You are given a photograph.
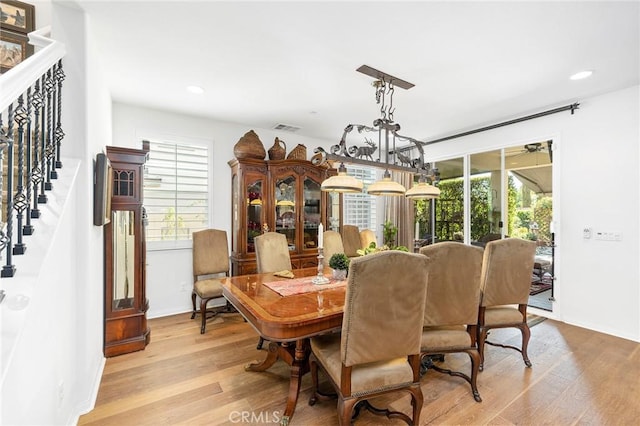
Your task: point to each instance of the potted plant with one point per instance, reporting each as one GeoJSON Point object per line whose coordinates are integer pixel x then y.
{"type": "Point", "coordinates": [339, 262]}
{"type": "Point", "coordinates": [389, 233]}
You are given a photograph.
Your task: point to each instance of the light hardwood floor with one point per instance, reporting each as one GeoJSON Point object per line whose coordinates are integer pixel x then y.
{"type": "Point", "coordinates": [185, 378]}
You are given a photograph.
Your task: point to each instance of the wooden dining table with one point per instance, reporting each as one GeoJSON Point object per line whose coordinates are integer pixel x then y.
{"type": "Point", "coordinates": [287, 321]}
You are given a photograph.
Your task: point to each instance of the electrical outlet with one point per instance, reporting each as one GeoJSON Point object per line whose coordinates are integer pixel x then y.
{"type": "Point", "coordinates": [184, 287]}
{"type": "Point", "coordinates": [586, 233]}
{"type": "Point", "coordinates": [608, 236]}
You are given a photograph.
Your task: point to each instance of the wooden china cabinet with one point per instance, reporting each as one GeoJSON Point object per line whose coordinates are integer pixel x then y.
{"type": "Point", "coordinates": [126, 304]}
{"type": "Point", "coordinates": [282, 196]}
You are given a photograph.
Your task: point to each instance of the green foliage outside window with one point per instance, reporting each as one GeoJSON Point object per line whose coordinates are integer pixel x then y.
{"type": "Point", "coordinates": [450, 208]}
{"type": "Point", "coordinates": [175, 224]}
{"type": "Point", "coordinates": [543, 212]}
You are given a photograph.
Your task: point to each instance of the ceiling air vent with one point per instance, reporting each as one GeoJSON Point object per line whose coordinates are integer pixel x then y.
{"type": "Point", "coordinates": [286, 128]}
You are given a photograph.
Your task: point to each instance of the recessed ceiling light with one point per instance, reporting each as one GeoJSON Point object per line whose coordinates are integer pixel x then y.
{"type": "Point", "coordinates": [196, 90]}
{"type": "Point", "coordinates": [580, 75]}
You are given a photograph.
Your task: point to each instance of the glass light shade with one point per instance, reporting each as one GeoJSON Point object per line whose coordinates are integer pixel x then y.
{"type": "Point", "coordinates": [342, 182]}
{"type": "Point", "coordinates": [386, 187]}
{"type": "Point", "coordinates": [422, 191]}
{"type": "Point", "coordinates": [284, 203]}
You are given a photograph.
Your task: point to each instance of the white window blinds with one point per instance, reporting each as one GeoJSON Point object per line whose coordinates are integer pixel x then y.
{"type": "Point", "coordinates": [176, 190]}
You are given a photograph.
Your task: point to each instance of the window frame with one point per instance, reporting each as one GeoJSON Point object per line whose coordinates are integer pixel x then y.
{"type": "Point", "coordinates": [180, 244]}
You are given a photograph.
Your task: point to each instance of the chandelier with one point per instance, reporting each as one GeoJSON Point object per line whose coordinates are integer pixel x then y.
{"type": "Point", "coordinates": [389, 155]}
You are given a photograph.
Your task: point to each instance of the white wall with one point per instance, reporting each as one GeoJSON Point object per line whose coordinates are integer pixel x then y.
{"type": "Point", "coordinates": [91, 113]}
{"type": "Point", "coordinates": [596, 185]}
{"type": "Point", "coordinates": [54, 371]}
{"type": "Point", "coordinates": [167, 270]}
{"type": "Point", "coordinates": [43, 362]}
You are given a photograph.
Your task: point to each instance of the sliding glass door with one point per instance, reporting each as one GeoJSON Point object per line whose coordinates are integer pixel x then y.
{"type": "Point", "coordinates": [494, 194]}
{"type": "Point", "coordinates": [485, 196]}
{"type": "Point", "coordinates": [530, 215]}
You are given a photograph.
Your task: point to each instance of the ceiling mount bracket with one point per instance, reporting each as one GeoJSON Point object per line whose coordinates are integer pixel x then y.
{"type": "Point", "coordinates": [379, 75]}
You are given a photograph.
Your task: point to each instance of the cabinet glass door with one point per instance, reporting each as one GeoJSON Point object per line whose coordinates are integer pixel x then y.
{"type": "Point", "coordinates": [254, 213]}
{"type": "Point", "coordinates": [124, 246]}
{"type": "Point", "coordinates": [285, 205]}
{"type": "Point", "coordinates": [312, 215]}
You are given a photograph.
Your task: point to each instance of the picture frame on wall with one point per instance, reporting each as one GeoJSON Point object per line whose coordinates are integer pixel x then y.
{"type": "Point", "coordinates": [14, 48]}
{"type": "Point", "coordinates": [17, 16]}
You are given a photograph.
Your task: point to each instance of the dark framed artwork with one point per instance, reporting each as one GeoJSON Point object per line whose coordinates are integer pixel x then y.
{"type": "Point", "coordinates": [17, 16]}
{"type": "Point", "coordinates": [14, 48]}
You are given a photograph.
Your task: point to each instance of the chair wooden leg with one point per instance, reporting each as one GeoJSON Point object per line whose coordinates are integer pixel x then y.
{"type": "Point", "coordinates": [193, 301]}
{"type": "Point", "coordinates": [203, 314]}
{"type": "Point", "coordinates": [526, 335]}
{"type": "Point", "coordinates": [416, 401]}
{"type": "Point", "coordinates": [475, 366]}
{"type": "Point", "coordinates": [482, 336]}
{"type": "Point", "coordinates": [345, 410]}
{"type": "Point", "coordinates": [313, 369]}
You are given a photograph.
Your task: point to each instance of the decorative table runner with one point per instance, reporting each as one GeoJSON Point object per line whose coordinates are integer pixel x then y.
{"type": "Point", "coordinates": [302, 285]}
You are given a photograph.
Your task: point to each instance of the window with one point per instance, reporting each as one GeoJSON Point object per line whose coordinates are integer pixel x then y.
{"type": "Point", "coordinates": [360, 209]}
{"type": "Point", "coordinates": [176, 190]}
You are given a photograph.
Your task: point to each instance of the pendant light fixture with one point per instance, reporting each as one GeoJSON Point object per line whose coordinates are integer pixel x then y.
{"type": "Point", "coordinates": [387, 131]}
{"type": "Point", "coordinates": [423, 190]}
{"type": "Point", "coordinates": [342, 182]}
{"type": "Point", "coordinates": [386, 186]}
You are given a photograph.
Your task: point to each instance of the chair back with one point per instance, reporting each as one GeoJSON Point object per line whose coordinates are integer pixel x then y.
{"type": "Point", "coordinates": [272, 252]}
{"type": "Point", "coordinates": [332, 245]}
{"type": "Point", "coordinates": [384, 307]}
{"type": "Point", "coordinates": [506, 272]}
{"type": "Point", "coordinates": [367, 236]}
{"type": "Point", "coordinates": [210, 252]}
{"type": "Point", "coordinates": [453, 294]}
{"type": "Point", "coordinates": [351, 240]}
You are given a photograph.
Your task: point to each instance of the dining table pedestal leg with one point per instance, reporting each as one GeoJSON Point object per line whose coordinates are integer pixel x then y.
{"type": "Point", "coordinates": [297, 356]}
{"type": "Point", "coordinates": [273, 353]}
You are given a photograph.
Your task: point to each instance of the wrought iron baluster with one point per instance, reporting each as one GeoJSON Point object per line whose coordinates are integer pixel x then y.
{"type": "Point", "coordinates": [59, 133]}
{"type": "Point", "coordinates": [36, 173]}
{"type": "Point", "coordinates": [9, 270]}
{"type": "Point", "coordinates": [4, 142]}
{"type": "Point", "coordinates": [19, 199]}
{"type": "Point", "coordinates": [28, 227]}
{"type": "Point", "coordinates": [49, 146]}
{"type": "Point", "coordinates": [53, 174]}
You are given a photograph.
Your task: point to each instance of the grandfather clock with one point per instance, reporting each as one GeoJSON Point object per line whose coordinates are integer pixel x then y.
{"type": "Point", "coordinates": [126, 304]}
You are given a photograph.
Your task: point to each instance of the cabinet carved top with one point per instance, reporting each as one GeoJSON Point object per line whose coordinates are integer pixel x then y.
{"type": "Point", "coordinates": [298, 167]}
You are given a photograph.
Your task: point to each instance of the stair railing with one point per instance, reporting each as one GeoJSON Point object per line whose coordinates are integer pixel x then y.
{"type": "Point", "coordinates": [30, 140]}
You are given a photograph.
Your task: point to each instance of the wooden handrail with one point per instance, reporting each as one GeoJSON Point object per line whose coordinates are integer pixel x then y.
{"type": "Point", "coordinates": [16, 81]}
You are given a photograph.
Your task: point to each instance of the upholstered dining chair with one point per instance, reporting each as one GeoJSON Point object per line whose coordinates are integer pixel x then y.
{"type": "Point", "coordinates": [272, 252]}
{"type": "Point", "coordinates": [351, 240]}
{"type": "Point", "coordinates": [210, 257]}
{"type": "Point", "coordinates": [451, 310]}
{"type": "Point", "coordinates": [378, 349]}
{"type": "Point", "coordinates": [505, 282]}
{"type": "Point", "coordinates": [272, 255]}
{"type": "Point", "coordinates": [332, 245]}
{"type": "Point", "coordinates": [367, 236]}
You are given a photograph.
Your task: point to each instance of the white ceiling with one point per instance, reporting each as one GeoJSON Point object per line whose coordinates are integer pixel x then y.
{"type": "Point", "coordinates": [264, 63]}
